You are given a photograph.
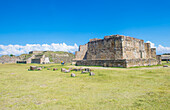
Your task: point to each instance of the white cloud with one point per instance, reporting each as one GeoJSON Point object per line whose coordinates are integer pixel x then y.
{"type": "Point", "coordinates": [160, 49]}
{"type": "Point", "coordinates": [152, 44]}
{"type": "Point", "coordinates": [19, 49]}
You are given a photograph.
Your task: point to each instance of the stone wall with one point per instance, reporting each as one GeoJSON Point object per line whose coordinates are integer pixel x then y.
{"type": "Point", "coordinates": [132, 48]}
{"type": "Point", "coordinates": [148, 50]}
{"type": "Point", "coordinates": [153, 53]}
{"type": "Point", "coordinates": [105, 63]}
{"type": "Point", "coordinates": [81, 54]}
{"type": "Point", "coordinates": [141, 62]}
{"type": "Point", "coordinates": [29, 59]}
{"type": "Point", "coordinates": [95, 39]}
{"type": "Point", "coordinates": [109, 48]}
{"type": "Point", "coordinates": [23, 62]}
{"type": "Point", "coordinates": [8, 59]}
{"type": "Point", "coordinates": [35, 52]}
{"type": "Point", "coordinates": [165, 57]}
{"type": "Point", "coordinates": [118, 63]}
{"type": "Point", "coordinates": [115, 47]}
{"type": "Point", "coordinates": [118, 50]}
{"type": "Point", "coordinates": [55, 57]}
{"type": "Point", "coordinates": [36, 61]}
{"type": "Point", "coordinates": [159, 59]}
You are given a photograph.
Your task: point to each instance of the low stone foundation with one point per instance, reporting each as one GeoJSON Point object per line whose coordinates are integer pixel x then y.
{"type": "Point", "coordinates": [141, 62]}
{"type": "Point", "coordinates": [105, 63]}
{"type": "Point", "coordinates": [118, 63]}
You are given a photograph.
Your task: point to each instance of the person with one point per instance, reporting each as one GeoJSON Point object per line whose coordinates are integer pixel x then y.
{"type": "Point", "coordinates": [62, 62]}
{"type": "Point", "coordinates": [167, 61]}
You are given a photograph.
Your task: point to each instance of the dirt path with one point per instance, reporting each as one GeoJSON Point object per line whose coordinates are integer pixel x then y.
{"type": "Point", "coordinates": [107, 68]}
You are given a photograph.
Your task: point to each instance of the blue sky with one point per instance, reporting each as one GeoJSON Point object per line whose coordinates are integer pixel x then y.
{"type": "Point", "coordinates": [76, 21]}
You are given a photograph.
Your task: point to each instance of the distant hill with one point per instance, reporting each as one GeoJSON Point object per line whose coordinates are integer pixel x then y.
{"type": "Point", "coordinates": [54, 56]}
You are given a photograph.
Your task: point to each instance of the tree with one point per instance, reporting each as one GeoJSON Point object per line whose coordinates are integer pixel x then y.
{"type": "Point", "coordinates": [166, 54]}
{"type": "Point", "coordinates": [11, 55]}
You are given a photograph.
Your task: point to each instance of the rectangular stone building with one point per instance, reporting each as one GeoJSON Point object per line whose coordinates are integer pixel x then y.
{"type": "Point", "coordinates": [165, 57]}
{"type": "Point", "coordinates": [116, 51]}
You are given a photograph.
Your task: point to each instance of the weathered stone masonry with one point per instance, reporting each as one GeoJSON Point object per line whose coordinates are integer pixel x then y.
{"type": "Point", "coordinates": [116, 51]}
{"type": "Point", "coordinates": [81, 54]}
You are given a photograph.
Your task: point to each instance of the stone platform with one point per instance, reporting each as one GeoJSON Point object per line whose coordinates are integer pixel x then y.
{"type": "Point", "coordinates": [117, 51]}
{"type": "Point", "coordinates": [118, 63]}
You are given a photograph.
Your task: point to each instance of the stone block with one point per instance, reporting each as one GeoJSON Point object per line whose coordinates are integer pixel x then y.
{"type": "Point", "coordinates": [63, 69]}
{"type": "Point", "coordinates": [33, 67]}
{"type": "Point", "coordinates": [54, 69]}
{"type": "Point", "coordinates": [165, 65]}
{"type": "Point", "coordinates": [67, 71]}
{"type": "Point", "coordinates": [83, 72]}
{"type": "Point", "coordinates": [91, 74]}
{"type": "Point", "coordinates": [73, 75]}
{"type": "Point", "coordinates": [39, 68]}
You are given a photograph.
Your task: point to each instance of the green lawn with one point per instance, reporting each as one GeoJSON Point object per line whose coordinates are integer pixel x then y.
{"type": "Point", "coordinates": [124, 89]}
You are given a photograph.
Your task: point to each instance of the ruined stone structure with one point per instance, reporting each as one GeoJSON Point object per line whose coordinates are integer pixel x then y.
{"type": "Point", "coordinates": [42, 57]}
{"type": "Point", "coordinates": [38, 59]}
{"type": "Point", "coordinates": [81, 54]}
{"type": "Point", "coordinates": [116, 51]}
{"type": "Point", "coordinates": [35, 52]}
{"type": "Point", "coordinates": [165, 57]}
{"type": "Point", "coordinates": [55, 57]}
{"type": "Point", "coordinates": [8, 59]}
{"type": "Point", "coordinates": [25, 61]}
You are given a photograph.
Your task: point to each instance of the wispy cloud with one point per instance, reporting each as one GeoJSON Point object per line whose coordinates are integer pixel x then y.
{"type": "Point", "coordinates": [160, 49]}
{"type": "Point", "coordinates": [19, 49]}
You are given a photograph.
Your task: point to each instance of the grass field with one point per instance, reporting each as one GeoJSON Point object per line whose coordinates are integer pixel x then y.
{"type": "Point", "coordinates": [124, 89]}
